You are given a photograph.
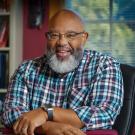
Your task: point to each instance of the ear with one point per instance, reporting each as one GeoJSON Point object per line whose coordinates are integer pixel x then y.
{"type": "Point", "coordinates": [85, 37]}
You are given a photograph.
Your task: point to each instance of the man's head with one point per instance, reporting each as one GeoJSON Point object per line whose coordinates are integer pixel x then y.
{"type": "Point", "coordinates": [65, 41]}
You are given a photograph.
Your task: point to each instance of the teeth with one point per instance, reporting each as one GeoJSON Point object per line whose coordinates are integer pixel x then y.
{"type": "Point", "coordinates": [62, 51]}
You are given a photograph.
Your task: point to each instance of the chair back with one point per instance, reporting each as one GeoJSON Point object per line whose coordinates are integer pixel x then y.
{"type": "Point", "coordinates": [124, 121]}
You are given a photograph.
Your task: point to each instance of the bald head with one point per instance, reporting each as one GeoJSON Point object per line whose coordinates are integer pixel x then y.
{"type": "Point", "coordinates": [68, 19]}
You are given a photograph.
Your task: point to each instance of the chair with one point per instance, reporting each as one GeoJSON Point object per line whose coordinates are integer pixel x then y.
{"type": "Point", "coordinates": [126, 119]}
{"type": "Point", "coordinates": [133, 132]}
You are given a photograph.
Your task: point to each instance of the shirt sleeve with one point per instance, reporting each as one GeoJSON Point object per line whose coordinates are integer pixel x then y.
{"type": "Point", "coordinates": [105, 99]}
{"type": "Point", "coordinates": [16, 101]}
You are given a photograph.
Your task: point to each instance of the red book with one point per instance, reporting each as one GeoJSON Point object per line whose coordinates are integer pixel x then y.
{"type": "Point", "coordinates": [4, 34]}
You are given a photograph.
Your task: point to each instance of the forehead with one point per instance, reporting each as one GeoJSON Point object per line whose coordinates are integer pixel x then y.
{"type": "Point", "coordinates": [65, 22]}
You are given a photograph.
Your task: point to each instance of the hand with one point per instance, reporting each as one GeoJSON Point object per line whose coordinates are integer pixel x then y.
{"type": "Point", "coordinates": [53, 128]}
{"type": "Point", "coordinates": [27, 123]}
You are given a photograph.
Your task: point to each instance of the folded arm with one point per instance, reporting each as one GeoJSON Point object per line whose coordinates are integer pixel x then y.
{"type": "Point", "coordinates": [103, 103]}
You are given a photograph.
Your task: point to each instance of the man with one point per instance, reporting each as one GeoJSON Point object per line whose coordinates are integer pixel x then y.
{"type": "Point", "coordinates": [66, 91]}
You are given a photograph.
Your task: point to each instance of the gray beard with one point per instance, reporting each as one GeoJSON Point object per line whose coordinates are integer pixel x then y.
{"type": "Point", "coordinates": [64, 66]}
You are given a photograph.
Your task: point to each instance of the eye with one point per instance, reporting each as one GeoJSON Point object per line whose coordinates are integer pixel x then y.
{"type": "Point", "coordinates": [54, 35]}
{"type": "Point", "coordinates": [71, 35]}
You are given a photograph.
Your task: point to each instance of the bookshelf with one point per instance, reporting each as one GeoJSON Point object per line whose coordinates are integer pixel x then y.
{"type": "Point", "coordinates": [11, 49]}
{"type": "Point", "coordinates": [11, 42]}
{"type": "Point", "coordinates": [4, 45]}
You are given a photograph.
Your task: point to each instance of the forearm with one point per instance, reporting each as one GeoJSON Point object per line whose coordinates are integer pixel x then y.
{"type": "Point", "coordinates": [55, 128]}
{"type": "Point", "coordinates": [67, 116]}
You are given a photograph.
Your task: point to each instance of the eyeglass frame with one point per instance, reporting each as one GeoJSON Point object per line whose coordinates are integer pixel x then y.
{"type": "Point", "coordinates": [60, 35]}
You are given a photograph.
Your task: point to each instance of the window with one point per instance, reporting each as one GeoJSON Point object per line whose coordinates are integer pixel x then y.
{"type": "Point", "coordinates": [111, 26]}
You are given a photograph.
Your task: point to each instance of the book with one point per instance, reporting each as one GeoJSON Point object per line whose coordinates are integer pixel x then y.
{"type": "Point", "coordinates": [4, 5]}
{"type": "Point", "coordinates": [4, 75]}
{"type": "Point", "coordinates": [4, 33]}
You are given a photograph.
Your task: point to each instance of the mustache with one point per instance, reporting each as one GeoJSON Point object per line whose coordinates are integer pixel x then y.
{"type": "Point", "coordinates": [60, 48]}
{"type": "Point", "coordinates": [63, 48]}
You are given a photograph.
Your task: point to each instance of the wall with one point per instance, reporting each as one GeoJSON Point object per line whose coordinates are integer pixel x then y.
{"type": "Point", "coordinates": [33, 39]}
{"type": "Point", "coordinates": [54, 6]}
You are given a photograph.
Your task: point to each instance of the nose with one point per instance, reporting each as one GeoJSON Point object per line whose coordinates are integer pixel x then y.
{"type": "Point", "coordinates": [62, 40]}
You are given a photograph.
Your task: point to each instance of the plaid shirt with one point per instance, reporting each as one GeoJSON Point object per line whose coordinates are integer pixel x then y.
{"type": "Point", "coordinates": [94, 90]}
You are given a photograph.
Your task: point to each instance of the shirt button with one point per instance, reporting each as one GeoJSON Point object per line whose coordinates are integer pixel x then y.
{"type": "Point", "coordinates": [62, 80]}
{"type": "Point", "coordinates": [83, 61]}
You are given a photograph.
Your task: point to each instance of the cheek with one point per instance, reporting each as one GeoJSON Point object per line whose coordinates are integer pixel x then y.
{"type": "Point", "coordinates": [77, 44]}
{"type": "Point", "coordinates": [51, 44]}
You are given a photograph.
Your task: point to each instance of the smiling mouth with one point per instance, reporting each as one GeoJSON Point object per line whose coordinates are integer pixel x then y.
{"type": "Point", "coordinates": [63, 53]}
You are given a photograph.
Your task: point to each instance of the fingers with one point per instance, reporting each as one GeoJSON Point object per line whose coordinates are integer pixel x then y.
{"type": "Point", "coordinates": [23, 131]}
{"type": "Point", "coordinates": [68, 133]}
{"type": "Point", "coordinates": [31, 129]}
{"type": "Point", "coordinates": [15, 126]}
{"type": "Point", "coordinates": [77, 131]}
{"type": "Point", "coordinates": [73, 131]}
{"type": "Point", "coordinates": [27, 123]}
{"type": "Point", "coordinates": [22, 127]}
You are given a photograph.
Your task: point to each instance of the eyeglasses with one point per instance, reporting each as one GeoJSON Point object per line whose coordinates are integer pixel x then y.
{"type": "Point", "coordinates": [69, 36]}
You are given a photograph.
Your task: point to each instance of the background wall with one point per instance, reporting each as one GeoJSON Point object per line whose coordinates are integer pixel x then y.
{"type": "Point", "coordinates": [55, 5]}
{"type": "Point", "coordinates": [33, 39]}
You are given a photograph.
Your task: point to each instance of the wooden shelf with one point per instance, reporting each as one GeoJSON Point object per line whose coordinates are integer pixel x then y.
{"type": "Point", "coordinates": [2, 13]}
{"type": "Point", "coordinates": [4, 48]}
{"type": "Point", "coordinates": [3, 90]}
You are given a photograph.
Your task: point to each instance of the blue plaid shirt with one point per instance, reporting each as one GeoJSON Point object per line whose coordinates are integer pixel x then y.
{"type": "Point", "coordinates": [94, 90]}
